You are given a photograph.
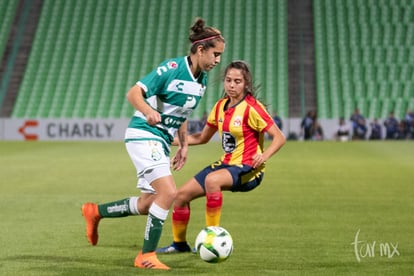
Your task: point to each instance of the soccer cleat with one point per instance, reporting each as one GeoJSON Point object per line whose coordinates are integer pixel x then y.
{"type": "Point", "coordinates": [149, 260]}
{"type": "Point", "coordinates": [92, 218]}
{"type": "Point", "coordinates": [181, 247]}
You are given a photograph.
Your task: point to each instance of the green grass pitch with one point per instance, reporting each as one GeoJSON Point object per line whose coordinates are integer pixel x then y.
{"type": "Point", "coordinates": [324, 208]}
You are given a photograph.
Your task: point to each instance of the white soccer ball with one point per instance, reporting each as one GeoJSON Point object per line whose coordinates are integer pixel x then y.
{"type": "Point", "coordinates": [214, 244]}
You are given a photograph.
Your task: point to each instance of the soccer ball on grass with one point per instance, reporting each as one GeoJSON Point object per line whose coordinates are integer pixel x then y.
{"type": "Point", "coordinates": [214, 244]}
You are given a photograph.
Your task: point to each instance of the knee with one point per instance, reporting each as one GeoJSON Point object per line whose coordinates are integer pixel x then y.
{"type": "Point", "coordinates": [212, 183]}
{"type": "Point", "coordinates": [173, 194]}
{"type": "Point", "coordinates": [169, 194]}
{"type": "Point", "coordinates": [144, 205]}
{"type": "Point", "coordinates": [181, 199]}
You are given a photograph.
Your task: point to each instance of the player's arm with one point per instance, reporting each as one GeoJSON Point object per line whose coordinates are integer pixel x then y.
{"type": "Point", "coordinates": [201, 137]}
{"type": "Point", "coordinates": [278, 140]}
{"type": "Point", "coordinates": [182, 135]}
{"type": "Point", "coordinates": [178, 161]}
{"type": "Point", "coordinates": [198, 138]}
{"type": "Point", "coordinates": [135, 96]}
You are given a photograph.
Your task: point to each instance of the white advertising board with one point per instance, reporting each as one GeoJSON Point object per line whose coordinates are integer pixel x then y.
{"type": "Point", "coordinates": [63, 129]}
{"type": "Point", "coordinates": [109, 129]}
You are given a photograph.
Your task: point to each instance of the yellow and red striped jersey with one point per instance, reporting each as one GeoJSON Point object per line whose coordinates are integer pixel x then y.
{"type": "Point", "coordinates": [241, 129]}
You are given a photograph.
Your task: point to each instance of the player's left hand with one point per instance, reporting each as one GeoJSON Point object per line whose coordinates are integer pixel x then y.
{"type": "Point", "coordinates": [258, 160]}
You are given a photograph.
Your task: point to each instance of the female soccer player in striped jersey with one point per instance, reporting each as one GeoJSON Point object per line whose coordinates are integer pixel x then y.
{"type": "Point", "coordinates": [163, 100]}
{"type": "Point", "coordinates": [242, 122]}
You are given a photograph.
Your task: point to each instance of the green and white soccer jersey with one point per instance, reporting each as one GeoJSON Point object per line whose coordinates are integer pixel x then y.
{"type": "Point", "coordinates": [172, 90]}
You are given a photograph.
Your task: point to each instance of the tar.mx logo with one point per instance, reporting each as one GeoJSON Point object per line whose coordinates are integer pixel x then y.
{"type": "Point", "coordinates": [370, 249]}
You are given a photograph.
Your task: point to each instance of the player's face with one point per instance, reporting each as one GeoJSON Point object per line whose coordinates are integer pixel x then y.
{"type": "Point", "coordinates": [234, 84]}
{"type": "Point", "coordinates": [211, 57]}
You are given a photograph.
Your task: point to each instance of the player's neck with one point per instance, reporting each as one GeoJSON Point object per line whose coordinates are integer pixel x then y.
{"type": "Point", "coordinates": [233, 102]}
{"type": "Point", "coordinates": [194, 70]}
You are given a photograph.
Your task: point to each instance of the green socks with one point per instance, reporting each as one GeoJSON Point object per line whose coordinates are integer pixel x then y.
{"type": "Point", "coordinates": [120, 208]}
{"type": "Point", "coordinates": [153, 230]}
{"type": "Point", "coordinates": [127, 207]}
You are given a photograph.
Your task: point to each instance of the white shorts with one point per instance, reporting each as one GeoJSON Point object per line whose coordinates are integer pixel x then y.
{"type": "Point", "coordinates": [150, 162]}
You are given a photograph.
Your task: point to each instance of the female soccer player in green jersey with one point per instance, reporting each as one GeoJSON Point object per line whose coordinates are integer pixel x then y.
{"type": "Point", "coordinates": [242, 122]}
{"type": "Point", "coordinates": [162, 100]}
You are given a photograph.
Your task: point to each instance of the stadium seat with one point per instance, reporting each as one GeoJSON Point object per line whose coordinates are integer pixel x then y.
{"type": "Point", "coordinates": [87, 54]}
{"type": "Point", "coordinates": [375, 61]}
{"type": "Point", "coordinates": [387, 105]}
{"type": "Point", "coordinates": [411, 104]}
{"type": "Point", "coordinates": [7, 14]}
{"type": "Point", "coordinates": [408, 92]}
{"type": "Point", "coordinates": [373, 108]}
{"type": "Point", "coordinates": [400, 107]}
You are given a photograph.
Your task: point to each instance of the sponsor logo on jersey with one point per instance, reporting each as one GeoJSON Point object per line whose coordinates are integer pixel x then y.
{"type": "Point", "coordinates": [186, 87]}
{"type": "Point", "coordinates": [228, 142]}
{"type": "Point", "coordinates": [172, 65]}
{"type": "Point", "coordinates": [171, 122]}
{"type": "Point", "coordinates": [190, 103]}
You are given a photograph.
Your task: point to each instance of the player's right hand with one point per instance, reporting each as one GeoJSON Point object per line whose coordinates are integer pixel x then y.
{"type": "Point", "coordinates": [153, 117]}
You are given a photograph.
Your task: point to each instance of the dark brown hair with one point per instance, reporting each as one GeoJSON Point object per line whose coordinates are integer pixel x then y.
{"type": "Point", "coordinates": [251, 87]}
{"type": "Point", "coordinates": [207, 36]}
{"type": "Point", "coordinates": [244, 68]}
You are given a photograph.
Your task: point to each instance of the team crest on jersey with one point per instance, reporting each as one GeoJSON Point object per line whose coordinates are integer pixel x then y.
{"type": "Point", "coordinates": [237, 121]}
{"type": "Point", "coordinates": [172, 65]}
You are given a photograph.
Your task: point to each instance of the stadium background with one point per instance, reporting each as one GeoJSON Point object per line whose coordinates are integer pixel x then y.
{"type": "Point", "coordinates": [76, 59]}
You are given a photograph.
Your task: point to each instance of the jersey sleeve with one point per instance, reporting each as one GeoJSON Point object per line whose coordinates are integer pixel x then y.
{"type": "Point", "coordinates": [259, 119]}
{"type": "Point", "coordinates": [157, 79]}
{"type": "Point", "coordinates": [212, 119]}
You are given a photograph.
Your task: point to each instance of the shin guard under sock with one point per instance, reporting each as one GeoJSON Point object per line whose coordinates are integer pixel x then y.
{"type": "Point", "coordinates": [120, 208]}
{"type": "Point", "coordinates": [180, 219]}
{"type": "Point", "coordinates": [153, 230]}
{"type": "Point", "coordinates": [213, 208]}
